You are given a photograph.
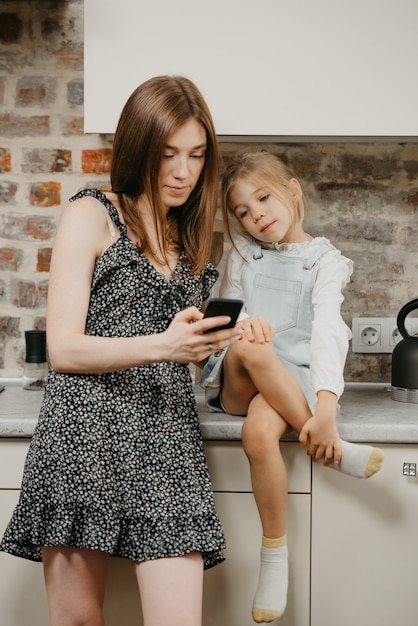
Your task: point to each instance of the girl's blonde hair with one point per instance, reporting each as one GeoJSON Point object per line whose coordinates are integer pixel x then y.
{"type": "Point", "coordinates": [265, 170]}
{"type": "Point", "coordinates": [156, 109]}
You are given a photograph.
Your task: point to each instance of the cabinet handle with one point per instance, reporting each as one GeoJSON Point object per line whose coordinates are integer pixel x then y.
{"type": "Point", "coordinates": [409, 469]}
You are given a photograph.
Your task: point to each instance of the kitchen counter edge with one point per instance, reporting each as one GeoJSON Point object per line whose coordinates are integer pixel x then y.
{"type": "Point", "coordinates": [367, 414]}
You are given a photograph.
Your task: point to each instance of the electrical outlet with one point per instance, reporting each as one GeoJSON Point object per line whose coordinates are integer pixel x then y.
{"type": "Point", "coordinates": [394, 335]}
{"type": "Point", "coordinates": [367, 334]}
{"type": "Point", "coordinates": [379, 334]}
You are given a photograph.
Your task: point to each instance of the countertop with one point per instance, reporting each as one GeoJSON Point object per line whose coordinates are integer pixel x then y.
{"type": "Point", "coordinates": [368, 414]}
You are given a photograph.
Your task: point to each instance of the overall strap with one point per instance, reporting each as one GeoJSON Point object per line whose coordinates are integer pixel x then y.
{"type": "Point", "coordinates": [319, 252]}
{"type": "Point", "coordinates": [256, 252]}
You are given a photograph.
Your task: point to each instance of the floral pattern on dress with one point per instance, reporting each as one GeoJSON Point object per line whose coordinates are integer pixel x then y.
{"type": "Point", "coordinates": [116, 462]}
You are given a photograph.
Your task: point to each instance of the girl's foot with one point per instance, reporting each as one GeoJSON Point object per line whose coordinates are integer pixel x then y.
{"type": "Point", "coordinates": [359, 460]}
{"type": "Point", "coordinates": [271, 595]}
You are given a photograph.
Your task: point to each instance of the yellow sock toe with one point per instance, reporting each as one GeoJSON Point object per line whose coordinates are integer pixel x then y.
{"type": "Point", "coordinates": [375, 462]}
{"type": "Point", "coordinates": [264, 616]}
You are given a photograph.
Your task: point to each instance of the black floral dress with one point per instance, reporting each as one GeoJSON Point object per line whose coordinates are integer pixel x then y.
{"type": "Point", "coordinates": [116, 462]}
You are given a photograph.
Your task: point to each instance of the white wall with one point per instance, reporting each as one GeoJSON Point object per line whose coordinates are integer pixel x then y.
{"type": "Point", "coordinates": [286, 68]}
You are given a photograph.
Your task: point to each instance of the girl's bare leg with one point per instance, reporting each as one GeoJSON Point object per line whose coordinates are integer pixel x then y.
{"type": "Point", "coordinates": [75, 585]}
{"type": "Point", "coordinates": [251, 368]}
{"type": "Point", "coordinates": [257, 383]}
{"type": "Point", "coordinates": [261, 433]}
{"type": "Point", "coordinates": [171, 590]}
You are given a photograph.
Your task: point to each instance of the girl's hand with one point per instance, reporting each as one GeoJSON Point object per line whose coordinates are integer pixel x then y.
{"type": "Point", "coordinates": [322, 438]}
{"type": "Point", "coordinates": [256, 328]}
{"type": "Point", "coordinates": [185, 341]}
{"type": "Point", "coordinates": [320, 431]}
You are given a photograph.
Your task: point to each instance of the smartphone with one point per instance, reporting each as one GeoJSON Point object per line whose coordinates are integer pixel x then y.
{"type": "Point", "coordinates": [223, 306]}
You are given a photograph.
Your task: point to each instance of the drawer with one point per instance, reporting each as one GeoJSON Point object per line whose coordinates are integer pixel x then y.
{"type": "Point", "coordinates": [229, 468]}
{"type": "Point", "coordinates": [12, 459]}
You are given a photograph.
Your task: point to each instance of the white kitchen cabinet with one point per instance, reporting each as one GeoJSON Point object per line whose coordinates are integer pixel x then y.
{"type": "Point", "coordinates": [364, 545]}
{"type": "Point", "coordinates": [359, 568]}
{"type": "Point", "coordinates": [229, 588]}
{"type": "Point", "coordinates": [22, 592]}
{"type": "Point", "coordinates": [357, 70]}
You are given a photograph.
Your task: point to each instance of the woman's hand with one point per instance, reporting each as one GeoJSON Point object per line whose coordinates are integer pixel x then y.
{"type": "Point", "coordinates": [186, 342]}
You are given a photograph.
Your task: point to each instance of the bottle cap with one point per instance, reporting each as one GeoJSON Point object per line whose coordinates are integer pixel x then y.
{"type": "Point", "coordinates": [35, 346]}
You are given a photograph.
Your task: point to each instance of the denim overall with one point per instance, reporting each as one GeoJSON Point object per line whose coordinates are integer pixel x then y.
{"type": "Point", "coordinates": [279, 287]}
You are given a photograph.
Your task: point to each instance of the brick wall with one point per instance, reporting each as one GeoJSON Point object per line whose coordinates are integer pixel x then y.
{"type": "Point", "coordinates": [44, 155]}
{"type": "Point", "coordinates": [364, 197]}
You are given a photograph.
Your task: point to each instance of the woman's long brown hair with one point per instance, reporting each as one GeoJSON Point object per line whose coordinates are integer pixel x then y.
{"type": "Point", "coordinates": [154, 110]}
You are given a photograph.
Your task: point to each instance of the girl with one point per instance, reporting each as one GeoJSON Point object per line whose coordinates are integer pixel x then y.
{"type": "Point", "coordinates": [116, 465]}
{"type": "Point", "coordinates": [287, 370]}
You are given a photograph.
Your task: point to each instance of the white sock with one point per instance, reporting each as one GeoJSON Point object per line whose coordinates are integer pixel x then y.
{"type": "Point", "coordinates": [358, 460]}
{"type": "Point", "coordinates": [271, 595]}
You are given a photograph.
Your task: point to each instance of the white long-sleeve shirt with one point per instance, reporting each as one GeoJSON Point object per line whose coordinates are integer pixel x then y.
{"type": "Point", "coordinates": [330, 334]}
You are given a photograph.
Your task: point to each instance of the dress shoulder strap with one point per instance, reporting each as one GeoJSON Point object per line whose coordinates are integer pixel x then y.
{"type": "Point", "coordinates": [111, 209]}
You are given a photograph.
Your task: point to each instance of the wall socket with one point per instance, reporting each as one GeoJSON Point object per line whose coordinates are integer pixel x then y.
{"type": "Point", "coordinates": [379, 334]}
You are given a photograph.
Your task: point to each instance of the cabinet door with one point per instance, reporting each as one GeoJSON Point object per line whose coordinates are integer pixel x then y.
{"type": "Point", "coordinates": [230, 471]}
{"type": "Point", "coordinates": [22, 592]}
{"type": "Point", "coordinates": [364, 545]}
{"type": "Point", "coordinates": [229, 588]}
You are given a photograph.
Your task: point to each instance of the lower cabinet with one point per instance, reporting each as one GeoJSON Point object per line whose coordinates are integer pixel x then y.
{"type": "Point", "coordinates": [22, 592]}
{"type": "Point", "coordinates": [229, 588]}
{"type": "Point", "coordinates": [352, 546]}
{"type": "Point", "coordinates": [365, 545]}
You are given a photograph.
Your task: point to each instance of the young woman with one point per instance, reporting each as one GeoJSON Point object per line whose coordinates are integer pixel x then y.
{"type": "Point", "coordinates": [116, 465]}
{"type": "Point", "coordinates": [287, 371]}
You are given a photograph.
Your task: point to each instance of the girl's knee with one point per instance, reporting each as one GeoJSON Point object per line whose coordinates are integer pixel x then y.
{"type": "Point", "coordinates": [259, 435]}
{"type": "Point", "coordinates": [251, 353]}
